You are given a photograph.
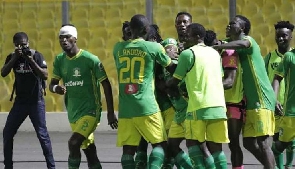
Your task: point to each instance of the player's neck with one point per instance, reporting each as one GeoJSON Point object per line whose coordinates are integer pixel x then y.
{"type": "Point", "coordinates": [283, 50]}
{"type": "Point", "coordinates": [73, 52]}
{"type": "Point", "coordinates": [181, 38]}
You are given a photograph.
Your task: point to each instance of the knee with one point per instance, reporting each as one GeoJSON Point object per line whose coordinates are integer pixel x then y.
{"type": "Point", "coordinates": [130, 150]}
{"type": "Point", "coordinates": [234, 143]}
{"type": "Point", "coordinates": [248, 145]}
{"type": "Point", "coordinates": [74, 143]}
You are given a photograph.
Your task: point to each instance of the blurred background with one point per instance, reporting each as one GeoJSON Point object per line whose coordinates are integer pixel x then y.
{"type": "Point", "coordinates": [99, 24]}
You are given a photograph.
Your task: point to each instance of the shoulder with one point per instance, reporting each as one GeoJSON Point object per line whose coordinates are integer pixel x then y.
{"type": "Point", "coordinates": [88, 54]}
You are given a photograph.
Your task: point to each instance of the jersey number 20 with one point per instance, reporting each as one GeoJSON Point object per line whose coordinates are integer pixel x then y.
{"type": "Point", "coordinates": [128, 73]}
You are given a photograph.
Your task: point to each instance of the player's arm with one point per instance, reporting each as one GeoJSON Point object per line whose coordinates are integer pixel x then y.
{"type": "Point", "coordinates": [237, 44]}
{"type": "Point", "coordinates": [54, 86]}
{"type": "Point", "coordinates": [102, 77]}
{"type": "Point", "coordinates": [185, 63]}
{"type": "Point", "coordinates": [279, 75]}
{"type": "Point", "coordinates": [229, 78]}
{"type": "Point", "coordinates": [8, 65]}
{"type": "Point", "coordinates": [107, 88]}
{"type": "Point", "coordinates": [39, 65]}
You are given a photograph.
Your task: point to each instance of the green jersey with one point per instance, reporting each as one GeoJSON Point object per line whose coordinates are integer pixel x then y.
{"type": "Point", "coordinates": [161, 96]}
{"type": "Point", "coordinates": [180, 103]}
{"type": "Point", "coordinates": [257, 88]}
{"type": "Point", "coordinates": [272, 61]}
{"type": "Point", "coordinates": [203, 78]}
{"type": "Point", "coordinates": [135, 62]}
{"type": "Point", "coordinates": [81, 75]}
{"type": "Point", "coordinates": [286, 70]}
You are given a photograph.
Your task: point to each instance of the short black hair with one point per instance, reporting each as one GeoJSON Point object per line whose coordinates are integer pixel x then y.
{"type": "Point", "coordinates": [184, 13]}
{"type": "Point", "coordinates": [284, 24]}
{"type": "Point", "coordinates": [247, 23]}
{"type": "Point", "coordinates": [154, 32]}
{"type": "Point", "coordinates": [20, 35]}
{"type": "Point", "coordinates": [210, 37]}
{"type": "Point", "coordinates": [125, 25]}
{"type": "Point", "coordinates": [68, 24]}
{"type": "Point", "coordinates": [138, 22]}
{"type": "Point", "coordinates": [197, 29]}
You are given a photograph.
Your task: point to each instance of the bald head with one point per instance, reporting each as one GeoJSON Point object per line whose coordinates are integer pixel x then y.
{"type": "Point", "coordinates": [139, 25]}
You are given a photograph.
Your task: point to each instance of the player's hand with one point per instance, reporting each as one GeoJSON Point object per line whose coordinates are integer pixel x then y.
{"type": "Point", "coordinates": [112, 120]}
{"type": "Point", "coordinates": [17, 53]}
{"type": "Point", "coordinates": [279, 109]}
{"type": "Point", "coordinates": [60, 90]}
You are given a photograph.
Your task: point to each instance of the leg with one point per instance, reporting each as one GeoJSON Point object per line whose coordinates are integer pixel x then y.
{"type": "Point", "coordinates": [280, 157]}
{"type": "Point", "coordinates": [37, 116]}
{"type": "Point", "coordinates": [199, 154]}
{"type": "Point", "coordinates": [290, 154]}
{"type": "Point", "coordinates": [250, 144]}
{"type": "Point", "coordinates": [91, 156]}
{"type": "Point", "coordinates": [217, 133]}
{"type": "Point", "coordinates": [15, 118]}
{"type": "Point", "coordinates": [267, 154]}
{"type": "Point", "coordinates": [141, 154]}
{"type": "Point", "coordinates": [127, 160]}
{"type": "Point", "coordinates": [74, 145]}
{"type": "Point", "coordinates": [234, 130]}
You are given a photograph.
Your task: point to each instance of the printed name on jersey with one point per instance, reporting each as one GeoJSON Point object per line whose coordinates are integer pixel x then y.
{"type": "Point", "coordinates": [131, 88]}
{"type": "Point", "coordinates": [76, 72]}
{"type": "Point", "coordinates": [74, 83]}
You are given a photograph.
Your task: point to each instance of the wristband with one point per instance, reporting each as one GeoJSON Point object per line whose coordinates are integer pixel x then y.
{"type": "Point", "coordinates": [54, 88]}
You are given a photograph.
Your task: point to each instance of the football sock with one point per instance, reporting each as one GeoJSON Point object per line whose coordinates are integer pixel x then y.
{"type": "Point", "coordinates": [220, 160]}
{"type": "Point", "coordinates": [183, 160]}
{"type": "Point", "coordinates": [74, 163]}
{"type": "Point", "coordinates": [156, 158]}
{"type": "Point", "coordinates": [127, 161]}
{"type": "Point", "coordinates": [290, 154]}
{"type": "Point", "coordinates": [140, 159]}
{"type": "Point", "coordinates": [196, 156]}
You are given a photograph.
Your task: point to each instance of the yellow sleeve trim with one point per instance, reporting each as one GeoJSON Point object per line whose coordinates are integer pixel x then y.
{"type": "Point", "coordinates": [56, 77]}
{"type": "Point", "coordinates": [168, 62]}
{"type": "Point", "coordinates": [102, 78]}
{"type": "Point", "coordinates": [177, 77]}
{"type": "Point", "coordinates": [279, 74]}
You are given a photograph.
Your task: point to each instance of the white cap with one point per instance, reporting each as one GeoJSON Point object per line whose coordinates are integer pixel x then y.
{"type": "Point", "coordinates": [68, 30]}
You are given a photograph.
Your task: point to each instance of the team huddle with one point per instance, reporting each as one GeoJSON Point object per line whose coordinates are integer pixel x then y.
{"type": "Point", "coordinates": [194, 87]}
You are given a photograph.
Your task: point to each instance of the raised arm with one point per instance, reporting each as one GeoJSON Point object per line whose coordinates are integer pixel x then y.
{"type": "Point", "coordinates": [10, 61]}
{"type": "Point", "coordinates": [238, 44]}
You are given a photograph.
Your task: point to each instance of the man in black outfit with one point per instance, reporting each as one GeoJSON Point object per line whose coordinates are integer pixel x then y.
{"type": "Point", "coordinates": [30, 72]}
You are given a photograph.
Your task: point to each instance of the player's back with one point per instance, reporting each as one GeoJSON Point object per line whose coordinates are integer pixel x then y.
{"type": "Point", "coordinates": [257, 88]}
{"type": "Point", "coordinates": [204, 80]}
{"type": "Point", "coordinates": [135, 62]}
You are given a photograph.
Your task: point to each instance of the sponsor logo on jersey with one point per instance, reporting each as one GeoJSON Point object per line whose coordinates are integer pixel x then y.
{"type": "Point", "coordinates": [74, 83]}
{"type": "Point", "coordinates": [131, 88]}
{"type": "Point", "coordinates": [22, 68]}
{"type": "Point", "coordinates": [76, 72]}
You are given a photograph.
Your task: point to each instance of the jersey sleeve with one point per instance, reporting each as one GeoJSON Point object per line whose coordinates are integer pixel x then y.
{"type": "Point", "coordinates": [8, 58]}
{"type": "Point", "coordinates": [283, 66]}
{"type": "Point", "coordinates": [98, 69]}
{"type": "Point", "coordinates": [161, 57]}
{"type": "Point", "coordinates": [56, 68]}
{"type": "Point", "coordinates": [40, 60]}
{"type": "Point", "coordinates": [230, 59]}
{"type": "Point", "coordinates": [185, 63]}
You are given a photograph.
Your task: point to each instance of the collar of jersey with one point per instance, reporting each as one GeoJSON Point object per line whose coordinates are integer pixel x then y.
{"type": "Point", "coordinates": [201, 44]}
{"type": "Point", "coordinates": [281, 55]}
{"type": "Point", "coordinates": [136, 40]}
{"type": "Point", "coordinates": [76, 56]}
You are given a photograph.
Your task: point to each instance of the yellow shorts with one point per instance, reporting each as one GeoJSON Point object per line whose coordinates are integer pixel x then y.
{"type": "Point", "coordinates": [85, 126]}
{"type": "Point", "coordinates": [176, 130]}
{"type": "Point", "coordinates": [278, 120]}
{"type": "Point", "coordinates": [168, 116]}
{"type": "Point", "coordinates": [150, 127]}
{"type": "Point", "coordinates": [287, 132]}
{"type": "Point", "coordinates": [259, 122]}
{"type": "Point", "coordinates": [207, 130]}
